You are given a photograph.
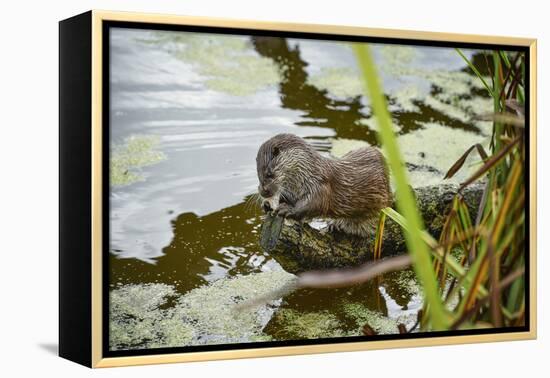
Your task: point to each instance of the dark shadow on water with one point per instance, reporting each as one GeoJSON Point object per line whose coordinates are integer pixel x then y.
{"type": "Point", "coordinates": [52, 348]}
{"type": "Point", "coordinates": [343, 115]}
{"type": "Point", "coordinates": [296, 93]}
{"type": "Point", "coordinates": [203, 249]}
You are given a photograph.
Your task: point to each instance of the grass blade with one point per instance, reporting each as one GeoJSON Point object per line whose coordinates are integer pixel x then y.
{"type": "Point", "coordinates": [478, 74]}
{"type": "Point", "coordinates": [377, 253]}
{"type": "Point", "coordinates": [406, 202]}
{"type": "Point", "coordinates": [490, 163]}
{"type": "Point", "coordinates": [460, 162]}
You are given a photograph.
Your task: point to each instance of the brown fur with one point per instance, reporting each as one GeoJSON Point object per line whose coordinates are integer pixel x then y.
{"type": "Point", "coordinates": [299, 183]}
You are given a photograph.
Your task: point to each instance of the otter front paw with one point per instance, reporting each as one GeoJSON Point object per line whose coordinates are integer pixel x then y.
{"type": "Point", "coordinates": [332, 228]}
{"type": "Point", "coordinates": [285, 211]}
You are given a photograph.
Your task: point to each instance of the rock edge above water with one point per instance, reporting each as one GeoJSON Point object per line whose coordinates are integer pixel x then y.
{"type": "Point", "coordinates": [300, 247]}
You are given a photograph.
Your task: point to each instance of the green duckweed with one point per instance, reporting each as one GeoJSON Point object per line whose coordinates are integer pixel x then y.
{"type": "Point", "coordinates": [363, 315]}
{"type": "Point", "coordinates": [432, 149]}
{"type": "Point", "coordinates": [154, 315]}
{"type": "Point", "coordinates": [137, 319]}
{"type": "Point", "coordinates": [127, 159]}
{"type": "Point", "coordinates": [339, 81]}
{"type": "Point", "coordinates": [229, 64]}
{"type": "Point", "coordinates": [292, 324]}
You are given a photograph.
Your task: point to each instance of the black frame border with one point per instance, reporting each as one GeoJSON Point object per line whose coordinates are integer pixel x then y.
{"type": "Point", "coordinates": [107, 25]}
{"type": "Point", "coordinates": [75, 194]}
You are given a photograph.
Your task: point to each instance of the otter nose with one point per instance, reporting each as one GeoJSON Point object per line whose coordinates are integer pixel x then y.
{"type": "Point", "coordinates": [264, 191]}
{"type": "Point", "coordinates": [266, 206]}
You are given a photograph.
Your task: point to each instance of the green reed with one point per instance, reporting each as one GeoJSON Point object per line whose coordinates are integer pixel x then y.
{"type": "Point", "coordinates": [488, 278]}
{"type": "Point", "coordinates": [405, 199]}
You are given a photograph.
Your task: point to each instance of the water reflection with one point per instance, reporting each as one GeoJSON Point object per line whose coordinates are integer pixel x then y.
{"type": "Point", "coordinates": [202, 249]}
{"type": "Point", "coordinates": [187, 223]}
{"type": "Point", "coordinates": [209, 138]}
{"type": "Point", "coordinates": [318, 108]}
{"type": "Point", "coordinates": [382, 304]}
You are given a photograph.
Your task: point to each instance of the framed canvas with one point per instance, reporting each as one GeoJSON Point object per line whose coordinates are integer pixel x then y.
{"type": "Point", "coordinates": [235, 189]}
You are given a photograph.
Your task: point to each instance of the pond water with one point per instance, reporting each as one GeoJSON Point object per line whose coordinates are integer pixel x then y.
{"type": "Point", "coordinates": [188, 114]}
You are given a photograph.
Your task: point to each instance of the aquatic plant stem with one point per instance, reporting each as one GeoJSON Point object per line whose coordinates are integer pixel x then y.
{"type": "Point", "coordinates": [478, 74]}
{"type": "Point", "coordinates": [406, 202]}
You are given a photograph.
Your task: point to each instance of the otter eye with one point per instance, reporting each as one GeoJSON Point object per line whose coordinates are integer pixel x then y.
{"type": "Point", "coordinates": [269, 175]}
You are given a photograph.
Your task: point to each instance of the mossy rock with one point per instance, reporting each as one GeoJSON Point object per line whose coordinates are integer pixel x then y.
{"type": "Point", "coordinates": [298, 247]}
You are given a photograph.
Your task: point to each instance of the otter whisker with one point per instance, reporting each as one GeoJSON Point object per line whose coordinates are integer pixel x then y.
{"type": "Point", "coordinates": [258, 203]}
{"type": "Point", "coordinates": [249, 202]}
{"type": "Point", "coordinates": [252, 203]}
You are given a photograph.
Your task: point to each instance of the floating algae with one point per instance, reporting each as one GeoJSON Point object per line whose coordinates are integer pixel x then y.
{"type": "Point", "coordinates": [348, 320]}
{"type": "Point", "coordinates": [429, 152]}
{"type": "Point", "coordinates": [154, 316]}
{"type": "Point", "coordinates": [450, 91]}
{"type": "Point", "coordinates": [464, 110]}
{"type": "Point", "coordinates": [372, 124]}
{"type": "Point", "coordinates": [362, 315]}
{"type": "Point", "coordinates": [453, 92]}
{"type": "Point", "coordinates": [211, 309]}
{"type": "Point", "coordinates": [292, 324]}
{"type": "Point", "coordinates": [405, 98]}
{"type": "Point", "coordinates": [439, 147]}
{"type": "Point", "coordinates": [127, 159]}
{"type": "Point", "coordinates": [229, 64]}
{"type": "Point", "coordinates": [142, 316]}
{"type": "Point", "coordinates": [178, 320]}
{"type": "Point", "coordinates": [339, 81]}
{"type": "Point", "coordinates": [138, 321]}
{"type": "Point", "coordinates": [403, 299]}
{"type": "Point", "coordinates": [341, 146]}
{"type": "Point", "coordinates": [397, 56]}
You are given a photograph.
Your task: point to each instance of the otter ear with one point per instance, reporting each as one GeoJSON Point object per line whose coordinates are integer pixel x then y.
{"type": "Point", "coordinates": [275, 151]}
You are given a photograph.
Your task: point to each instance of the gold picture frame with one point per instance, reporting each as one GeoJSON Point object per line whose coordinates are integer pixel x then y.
{"type": "Point", "coordinates": [82, 276]}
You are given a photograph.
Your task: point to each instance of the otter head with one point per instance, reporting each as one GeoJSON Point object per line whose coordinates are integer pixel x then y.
{"type": "Point", "coordinates": [270, 164]}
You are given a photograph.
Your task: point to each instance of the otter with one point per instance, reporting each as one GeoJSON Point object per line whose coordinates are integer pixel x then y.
{"type": "Point", "coordinates": [297, 182]}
